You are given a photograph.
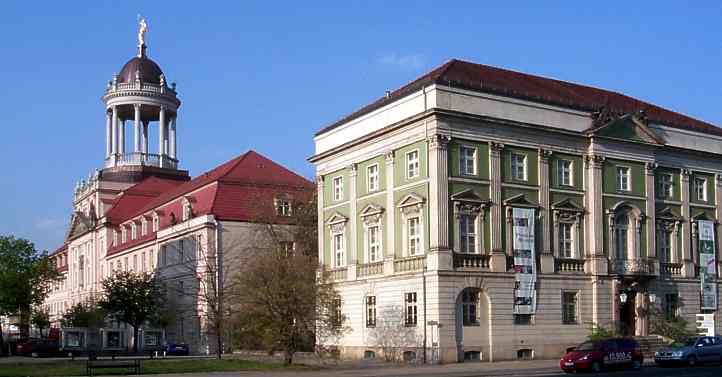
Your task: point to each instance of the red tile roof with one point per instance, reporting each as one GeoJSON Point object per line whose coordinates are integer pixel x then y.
{"type": "Point", "coordinates": [241, 189]}
{"type": "Point", "coordinates": [483, 78]}
{"type": "Point", "coordinates": [137, 196]}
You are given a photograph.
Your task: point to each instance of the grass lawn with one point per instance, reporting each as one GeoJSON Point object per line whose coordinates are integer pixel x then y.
{"type": "Point", "coordinates": [77, 368]}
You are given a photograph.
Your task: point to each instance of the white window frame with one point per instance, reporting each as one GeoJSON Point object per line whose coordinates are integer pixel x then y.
{"type": "Point", "coordinates": [515, 166]}
{"type": "Point", "coordinates": [561, 170]}
{"type": "Point", "coordinates": [339, 254]}
{"type": "Point", "coordinates": [666, 185]}
{"type": "Point", "coordinates": [133, 231]}
{"type": "Point", "coordinates": [411, 309]}
{"type": "Point", "coordinates": [703, 186]}
{"type": "Point", "coordinates": [372, 178]}
{"type": "Point", "coordinates": [415, 238]}
{"type": "Point", "coordinates": [575, 295]}
{"type": "Point", "coordinates": [413, 166]}
{"type": "Point", "coordinates": [337, 187]}
{"type": "Point", "coordinates": [143, 226]}
{"type": "Point", "coordinates": [464, 244]}
{"type": "Point", "coordinates": [412, 207]}
{"type": "Point", "coordinates": [123, 234]}
{"type": "Point", "coordinates": [371, 254]}
{"type": "Point", "coordinates": [156, 222]}
{"type": "Point", "coordinates": [283, 207]}
{"type": "Point", "coordinates": [370, 310]}
{"type": "Point", "coordinates": [465, 161]}
{"type": "Point", "coordinates": [624, 178]}
{"type": "Point", "coordinates": [564, 241]}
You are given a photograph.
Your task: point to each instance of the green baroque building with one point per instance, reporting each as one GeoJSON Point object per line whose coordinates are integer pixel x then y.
{"type": "Point", "coordinates": [419, 200]}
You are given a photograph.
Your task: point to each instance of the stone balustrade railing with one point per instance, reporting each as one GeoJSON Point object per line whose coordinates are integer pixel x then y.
{"type": "Point", "coordinates": [570, 265]}
{"type": "Point", "coordinates": [146, 159]}
{"type": "Point", "coordinates": [475, 261]}
{"type": "Point", "coordinates": [338, 274]}
{"type": "Point", "coordinates": [670, 269]}
{"type": "Point", "coordinates": [369, 269]}
{"type": "Point", "coordinates": [631, 267]}
{"type": "Point", "coordinates": [415, 263]}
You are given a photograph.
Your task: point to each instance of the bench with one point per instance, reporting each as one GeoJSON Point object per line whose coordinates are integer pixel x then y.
{"type": "Point", "coordinates": [127, 364]}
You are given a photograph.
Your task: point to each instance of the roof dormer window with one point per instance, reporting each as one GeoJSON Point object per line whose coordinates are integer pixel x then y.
{"type": "Point", "coordinates": [123, 234]}
{"type": "Point", "coordinates": [187, 209]}
{"type": "Point", "coordinates": [143, 226]}
{"type": "Point", "coordinates": [133, 231]}
{"type": "Point", "coordinates": [156, 222]}
{"type": "Point", "coordinates": [283, 206]}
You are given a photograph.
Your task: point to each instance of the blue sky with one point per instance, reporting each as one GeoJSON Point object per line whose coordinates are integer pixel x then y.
{"type": "Point", "coordinates": [267, 75]}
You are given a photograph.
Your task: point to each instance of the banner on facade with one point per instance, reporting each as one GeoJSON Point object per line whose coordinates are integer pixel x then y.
{"type": "Point", "coordinates": [707, 264]}
{"type": "Point", "coordinates": [524, 260]}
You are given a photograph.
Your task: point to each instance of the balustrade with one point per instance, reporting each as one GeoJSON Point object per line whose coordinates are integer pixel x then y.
{"type": "Point", "coordinates": [414, 263]}
{"type": "Point", "coordinates": [670, 269]}
{"type": "Point", "coordinates": [476, 261]}
{"type": "Point", "coordinates": [570, 265]}
{"type": "Point", "coordinates": [369, 269]}
{"type": "Point", "coordinates": [631, 267]}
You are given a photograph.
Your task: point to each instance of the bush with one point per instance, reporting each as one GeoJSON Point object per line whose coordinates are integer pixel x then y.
{"type": "Point", "coordinates": [675, 328]}
{"type": "Point", "coordinates": [598, 332]}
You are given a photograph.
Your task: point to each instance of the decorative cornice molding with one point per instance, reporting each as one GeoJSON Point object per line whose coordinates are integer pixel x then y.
{"type": "Point", "coordinates": [439, 141]}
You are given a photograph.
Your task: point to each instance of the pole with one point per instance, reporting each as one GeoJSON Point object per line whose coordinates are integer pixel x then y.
{"type": "Point", "coordinates": [425, 324]}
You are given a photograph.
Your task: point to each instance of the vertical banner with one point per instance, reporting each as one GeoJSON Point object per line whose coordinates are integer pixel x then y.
{"type": "Point", "coordinates": [524, 260]}
{"type": "Point", "coordinates": [707, 264]}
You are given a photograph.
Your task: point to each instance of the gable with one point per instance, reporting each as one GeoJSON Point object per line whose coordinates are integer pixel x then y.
{"type": "Point", "coordinates": [627, 127]}
{"type": "Point", "coordinates": [467, 196]}
{"type": "Point", "coordinates": [520, 201]}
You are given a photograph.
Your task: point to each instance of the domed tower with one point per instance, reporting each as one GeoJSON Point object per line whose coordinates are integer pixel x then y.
{"type": "Point", "coordinates": [140, 98]}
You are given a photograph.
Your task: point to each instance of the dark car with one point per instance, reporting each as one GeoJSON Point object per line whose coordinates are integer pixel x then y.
{"type": "Point", "coordinates": [177, 349]}
{"type": "Point", "coordinates": [597, 355]}
{"type": "Point", "coordinates": [691, 352]}
{"type": "Point", "coordinates": [38, 348]}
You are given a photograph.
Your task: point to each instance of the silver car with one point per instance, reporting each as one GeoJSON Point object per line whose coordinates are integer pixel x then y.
{"type": "Point", "coordinates": [701, 349]}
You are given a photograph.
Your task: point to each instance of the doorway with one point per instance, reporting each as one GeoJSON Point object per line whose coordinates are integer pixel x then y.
{"type": "Point", "coordinates": [628, 314]}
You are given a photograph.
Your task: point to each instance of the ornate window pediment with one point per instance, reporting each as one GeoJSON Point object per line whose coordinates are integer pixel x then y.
{"type": "Point", "coordinates": [337, 222]}
{"type": "Point", "coordinates": [567, 210]}
{"type": "Point", "coordinates": [566, 217]}
{"type": "Point", "coordinates": [411, 203]}
{"type": "Point", "coordinates": [468, 201]}
{"type": "Point", "coordinates": [371, 214]}
{"type": "Point", "coordinates": [520, 201]}
{"type": "Point", "coordinates": [701, 216]}
{"type": "Point", "coordinates": [667, 215]}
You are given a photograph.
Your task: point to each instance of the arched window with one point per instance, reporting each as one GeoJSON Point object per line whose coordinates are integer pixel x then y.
{"type": "Point", "coordinates": [621, 229]}
{"type": "Point", "coordinates": [470, 307]}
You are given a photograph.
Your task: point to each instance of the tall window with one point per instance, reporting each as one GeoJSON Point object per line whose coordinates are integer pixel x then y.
{"type": "Point", "coordinates": [283, 207]}
{"type": "Point", "coordinates": [123, 234]}
{"type": "Point", "coordinates": [142, 262]}
{"type": "Point", "coordinates": [370, 311]}
{"type": "Point", "coordinates": [338, 250]}
{"type": "Point", "coordinates": [414, 235]}
{"type": "Point", "coordinates": [671, 306]}
{"type": "Point", "coordinates": [665, 244]}
{"type": "Point", "coordinates": [411, 309]}
{"type": "Point", "coordinates": [156, 223]}
{"type": "Point", "coordinates": [564, 169]}
{"type": "Point", "coordinates": [374, 243]}
{"type": "Point", "coordinates": [133, 231]}
{"type": "Point", "coordinates": [337, 315]}
{"type": "Point", "coordinates": [569, 308]}
{"type": "Point", "coordinates": [163, 256]}
{"type": "Point", "coordinates": [623, 178]}
{"type": "Point", "coordinates": [666, 188]}
{"type": "Point", "coordinates": [700, 187]}
{"type": "Point", "coordinates": [338, 188]}
{"type": "Point", "coordinates": [518, 166]}
{"type": "Point", "coordinates": [412, 164]}
{"type": "Point", "coordinates": [181, 251]}
{"type": "Point", "coordinates": [81, 271]}
{"type": "Point", "coordinates": [467, 233]}
{"type": "Point", "coordinates": [372, 177]}
{"type": "Point", "coordinates": [135, 262]}
{"type": "Point", "coordinates": [143, 226]}
{"type": "Point", "coordinates": [621, 228]}
{"type": "Point", "coordinates": [115, 237]}
{"type": "Point", "coordinates": [565, 240]}
{"type": "Point", "coordinates": [187, 210]}
{"type": "Point", "coordinates": [469, 305]}
{"type": "Point", "coordinates": [467, 161]}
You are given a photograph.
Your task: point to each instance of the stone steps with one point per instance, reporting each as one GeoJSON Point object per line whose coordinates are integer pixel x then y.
{"type": "Point", "coordinates": [650, 344]}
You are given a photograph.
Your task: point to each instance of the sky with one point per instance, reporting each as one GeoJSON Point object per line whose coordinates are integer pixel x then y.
{"type": "Point", "coordinates": [267, 75]}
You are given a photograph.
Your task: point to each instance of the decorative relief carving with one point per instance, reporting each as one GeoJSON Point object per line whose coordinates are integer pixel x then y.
{"type": "Point", "coordinates": [495, 148]}
{"type": "Point", "coordinates": [371, 215]}
{"type": "Point", "coordinates": [544, 155]}
{"type": "Point", "coordinates": [389, 156]}
{"type": "Point", "coordinates": [594, 160]}
{"type": "Point", "coordinates": [411, 204]}
{"type": "Point", "coordinates": [650, 167]}
{"type": "Point", "coordinates": [439, 141]}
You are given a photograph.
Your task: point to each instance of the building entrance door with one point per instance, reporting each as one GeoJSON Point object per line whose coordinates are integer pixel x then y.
{"type": "Point", "coordinates": [628, 314]}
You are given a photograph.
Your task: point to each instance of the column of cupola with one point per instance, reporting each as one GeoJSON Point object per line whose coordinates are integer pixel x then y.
{"type": "Point", "coordinates": [498, 257]}
{"type": "Point", "coordinates": [547, 256]}
{"type": "Point", "coordinates": [688, 268]}
{"type": "Point", "coordinates": [440, 252]}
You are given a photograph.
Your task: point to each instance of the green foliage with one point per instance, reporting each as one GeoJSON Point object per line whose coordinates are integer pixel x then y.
{"type": "Point", "coordinates": [40, 319]}
{"type": "Point", "coordinates": [598, 332]}
{"type": "Point", "coordinates": [26, 277]}
{"type": "Point", "coordinates": [132, 298]}
{"type": "Point", "coordinates": [675, 328]}
{"type": "Point", "coordinates": [86, 314]}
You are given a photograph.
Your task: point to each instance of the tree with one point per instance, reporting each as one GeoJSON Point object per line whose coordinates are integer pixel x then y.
{"type": "Point", "coordinates": [132, 298]}
{"type": "Point", "coordinates": [84, 314]}
{"type": "Point", "coordinates": [40, 319]}
{"type": "Point", "coordinates": [26, 277]}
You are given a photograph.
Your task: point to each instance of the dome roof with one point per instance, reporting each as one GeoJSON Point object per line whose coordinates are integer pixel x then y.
{"type": "Point", "coordinates": [149, 71]}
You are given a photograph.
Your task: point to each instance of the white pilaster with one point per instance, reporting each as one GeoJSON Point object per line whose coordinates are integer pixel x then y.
{"type": "Point", "coordinates": [136, 129]}
{"type": "Point", "coordinates": [544, 200]}
{"type": "Point", "coordinates": [651, 212]}
{"type": "Point", "coordinates": [687, 262]}
{"type": "Point", "coordinates": [321, 229]}
{"type": "Point", "coordinates": [718, 215]}
{"type": "Point", "coordinates": [495, 150]}
{"type": "Point", "coordinates": [390, 252]}
{"type": "Point", "coordinates": [351, 248]}
{"type": "Point", "coordinates": [440, 246]}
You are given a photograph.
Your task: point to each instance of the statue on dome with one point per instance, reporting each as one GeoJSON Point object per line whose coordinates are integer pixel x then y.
{"type": "Point", "coordinates": [142, 29]}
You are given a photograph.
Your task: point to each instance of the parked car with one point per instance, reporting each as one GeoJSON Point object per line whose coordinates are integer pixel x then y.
{"type": "Point", "coordinates": [597, 355]}
{"type": "Point", "coordinates": [38, 348]}
{"type": "Point", "coordinates": [691, 352]}
{"type": "Point", "coordinates": [177, 349]}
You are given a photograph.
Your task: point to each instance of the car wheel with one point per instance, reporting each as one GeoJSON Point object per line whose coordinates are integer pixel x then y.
{"type": "Point", "coordinates": [596, 367]}
{"type": "Point", "coordinates": [692, 361]}
{"type": "Point", "coordinates": [637, 364]}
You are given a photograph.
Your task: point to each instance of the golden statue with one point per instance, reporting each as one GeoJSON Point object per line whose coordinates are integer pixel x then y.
{"type": "Point", "coordinates": [142, 29]}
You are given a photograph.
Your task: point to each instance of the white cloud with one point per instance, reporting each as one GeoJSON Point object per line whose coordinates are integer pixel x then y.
{"type": "Point", "coordinates": [402, 61]}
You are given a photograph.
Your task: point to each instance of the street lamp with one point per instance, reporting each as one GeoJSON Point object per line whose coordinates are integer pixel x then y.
{"type": "Point", "coordinates": [623, 297]}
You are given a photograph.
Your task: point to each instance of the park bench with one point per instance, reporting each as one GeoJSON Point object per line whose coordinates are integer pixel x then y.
{"type": "Point", "coordinates": [130, 365]}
